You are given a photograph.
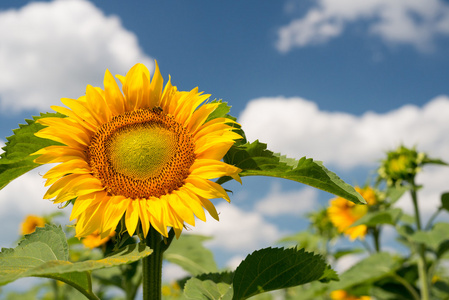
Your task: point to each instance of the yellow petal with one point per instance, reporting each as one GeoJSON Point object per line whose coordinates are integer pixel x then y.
{"type": "Point", "coordinates": [143, 215]}
{"type": "Point", "coordinates": [90, 220]}
{"type": "Point", "coordinates": [55, 154]}
{"type": "Point", "coordinates": [192, 202]}
{"type": "Point", "coordinates": [155, 88]}
{"type": "Point", "coordinates": [158, 217]}
{"type": "Point", "coordinates": [83, 202]}
{"type": "Point", "coordinates": [113, 94]}
{"type": "Point", "coordinates": [132, 217]}
{"type": "Point", "coordinates": [114, 211]}
{"type": "Point", "coordinates": [79, 108]}
{"type": "Point", "coordinates": [181, 209]}
{"type": "Point", "coordinates": [205, 188]}
{"type": "Point", "coordinates": [96, 103]}
{"type": "Point", "coordinates": [76, 166]}
{"type": "Point", "coordinates": [210, 168]}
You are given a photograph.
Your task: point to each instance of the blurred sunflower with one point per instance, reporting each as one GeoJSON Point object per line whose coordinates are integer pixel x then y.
{"type": "Point", "coordinates": [344, 213]}
{"type": "Point", "coordinates": [30, 223]}
{"type": "Point", "coordinates": [94, 239]}
{"type": "Point", "coordinates": [343, 295]}
{"type": "Point", "coordinates": [146, 155]}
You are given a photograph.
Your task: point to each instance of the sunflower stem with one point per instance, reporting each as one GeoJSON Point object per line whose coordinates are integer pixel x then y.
{"type": "Point", "coordinates": [421, 249]}
{"type": "Point", "coordinates": [152, 267]}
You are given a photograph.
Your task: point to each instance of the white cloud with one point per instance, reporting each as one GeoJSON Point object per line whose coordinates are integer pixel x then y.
{"type": "Point", "coordinates": [238, 230]}
{"type": "Point", "coordinates": [54, 49]}
{"type": "Point", "coordinates": [21, 197]}
{"type": "Point", "coordinates": [297, 127]}
{"type": "Point", "coordinates": [413, 22]}
{"type": "Point", "coordinates": [278, 202]}
{"type": "Point", "coordinates": [172, 272]}
{"type": "Point", "coordinates": [347, 261]}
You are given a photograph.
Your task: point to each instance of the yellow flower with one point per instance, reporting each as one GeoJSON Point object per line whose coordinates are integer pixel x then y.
{"type": "Point", "coordinates": [343, 295]}
{"type": "Point", "coordinates": [147, 155]}
{"type": "Point", "coordinates": [172, 289]}
{"type": "Point", "coordinates": [30, 223]}
{"type": "Point", "coordinates": [94, 240]}
{"type": "Point", "coordinates": [344, 213]}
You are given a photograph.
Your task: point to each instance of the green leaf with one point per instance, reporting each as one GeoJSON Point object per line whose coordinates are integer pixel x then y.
{"type": "Point", "coordinates": [432, 238]}
{"type": "Point", "coordinates": [276, 268]}
{"type": "Point", "coordinates": [210, 286]}
{"type": "Point", "coordinates": [44, 254]}
{"type": "Point", "coordinates": [370, 269]}
{"type": "Point", "coordinates": [343, 252]}
{"type": "Point", "coordinates": [255, 160]}
{"type": "Point", "coordinates": [304, 239]}
{"type": "Point", "coordinates": [189, 253]}
{"type": "Point", "coordinates": [395, 193]}
{"type": "Point", "coordinates": [445, 201]}
{"type": "Point", "coordinates": [389, 216]}
{"type": "Point", "coordinates": [16, 159]}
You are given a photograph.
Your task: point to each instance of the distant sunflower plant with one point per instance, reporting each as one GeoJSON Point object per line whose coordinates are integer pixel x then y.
{"type": "Point", "coordinates": [145, 160]}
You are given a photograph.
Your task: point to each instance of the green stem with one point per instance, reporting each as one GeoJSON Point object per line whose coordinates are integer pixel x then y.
{"type": "Point", "coordinates": [432, 218]}
{"type": "Point", "coordinates": [422, 265]}
{"type": "Point", "coordinates": [414, 195]}
{"type": "Point", "coordinates": [407, 285]}
{"type": "Point", "coordinates": [152, 267]}
{"type": "Point", "coordinates": [56, 289]}
{"type": "Point", "coordinates": [376, 236]}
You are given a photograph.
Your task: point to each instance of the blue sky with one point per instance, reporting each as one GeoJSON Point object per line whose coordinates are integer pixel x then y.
{"type": "Point", "coordinates": [339, 83]}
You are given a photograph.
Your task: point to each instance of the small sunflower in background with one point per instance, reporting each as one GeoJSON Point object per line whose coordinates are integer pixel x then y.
{"type": "Point", "coordinates": [146, 155]}
{"type": "Point", "coordinates": [30, 223]}
{"type": "Point", "coordinates": [94, 239]}
{"type": "Point", "coordinates": [344, 295]}
{"type": "Point", "coordinates": [344, 213]}
{"type": "Point", "coordinates": [402, 165]}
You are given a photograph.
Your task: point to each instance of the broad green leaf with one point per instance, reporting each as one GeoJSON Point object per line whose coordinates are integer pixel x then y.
{"type": "Point", "coordinates": [255, 160]}
{"type": "Point", "coordinates": [445, 201]}
{"type": "Point", "coordinates": [210, 287]}
{"type": "Point", "coordinates": [395, 193]}
{"type": "Point", "coordinates": [434, 237]}
{"type": "Point", "coordinates": [390, 216]}
{"type": "Point", "coordinates": [44, 254]}
{"type": "Point", "coordinates": [189, 253]}
{"type": "Point", "coordinates": [16, 159]}
{"type": "Point", "coordinates": [443, 248]}
{"type": "Point", "coordinates": [329, 275]}
{"type": "Point", "coordinates": [370, 269]}
{"type": "Point", "coordinates": [276, 268]}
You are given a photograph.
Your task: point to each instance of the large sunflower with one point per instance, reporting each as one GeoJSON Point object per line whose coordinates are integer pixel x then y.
{"type": "Point", "coordinates": [344, 213]}
{"type": "Point", "coordinates": [146, 155]}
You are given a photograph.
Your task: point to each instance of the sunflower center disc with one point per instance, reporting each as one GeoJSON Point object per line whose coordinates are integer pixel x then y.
{"type": "Point", "coordinates": [141, 154]}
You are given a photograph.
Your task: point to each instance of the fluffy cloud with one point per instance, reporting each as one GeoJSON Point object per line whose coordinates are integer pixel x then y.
{"type": "Point", "coordinates": [412, 22]}
{"type": "Point", "coordinates": [297, 127]}
{"type": "Point", "coordinates": [21, 197]}
{"type": "Point", "coordinates": [238, 231]}
{"type": "Point", "coordinates": [296, 202]}
{"type": "Point", "coordinates": [54, 49]}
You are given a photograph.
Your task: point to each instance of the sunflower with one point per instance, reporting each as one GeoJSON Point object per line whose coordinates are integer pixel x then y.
{"type": "Point", "coordinates": [343, 295]}
{"type": "Point", "coordinates": [344, 213]}
{"type": "Point", "coordinates": [30, 223]}
{"type": "Point", "coordinates": [146, 155]}
{"type": "Point", "coordinates": [94, 239]}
